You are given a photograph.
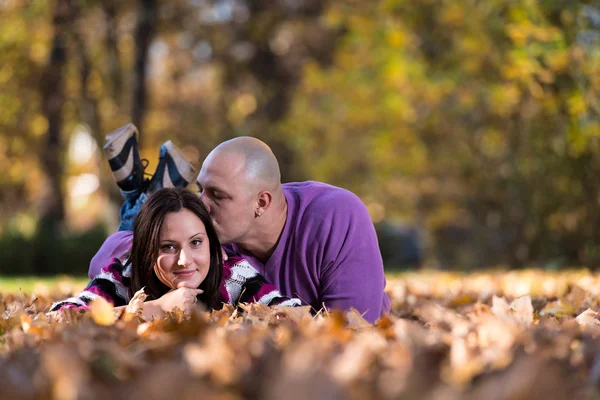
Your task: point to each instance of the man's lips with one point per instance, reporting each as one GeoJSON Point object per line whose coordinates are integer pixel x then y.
{"type": "Point", "coordinates": [185, 273]}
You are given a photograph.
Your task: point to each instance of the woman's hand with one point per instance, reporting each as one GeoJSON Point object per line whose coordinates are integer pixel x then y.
{"type": "Point", "coordinates": [183, 298]}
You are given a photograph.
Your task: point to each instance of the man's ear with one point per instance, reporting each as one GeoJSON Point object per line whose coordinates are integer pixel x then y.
{"type": "Point", "coordinates": [263, 202]}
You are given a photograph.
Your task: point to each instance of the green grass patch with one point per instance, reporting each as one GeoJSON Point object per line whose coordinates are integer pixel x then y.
{"type": "Point", "coordinates": [27, 284]}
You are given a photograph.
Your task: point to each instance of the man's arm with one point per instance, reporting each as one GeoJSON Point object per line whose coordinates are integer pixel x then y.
{"type": "Point", "coordinates": [115, 246]}
{"type": "Point", "coordinates": [352, 273]}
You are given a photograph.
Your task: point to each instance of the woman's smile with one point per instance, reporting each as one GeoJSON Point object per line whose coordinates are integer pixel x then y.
{"type": "Point", "coordinates": [184, 253]}
{"type": "Point", "coordinates": [187, 273]}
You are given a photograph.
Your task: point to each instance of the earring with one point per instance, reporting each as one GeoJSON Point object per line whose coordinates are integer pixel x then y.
{"type": "Point", "coordinates": [258, 214]}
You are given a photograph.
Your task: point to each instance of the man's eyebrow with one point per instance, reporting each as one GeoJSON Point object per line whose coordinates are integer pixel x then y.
{"type": "Point", "coordinates": [211, 187]}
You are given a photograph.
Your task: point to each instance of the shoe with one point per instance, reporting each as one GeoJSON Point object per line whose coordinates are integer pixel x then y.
{"type": "Point", "coordinates": [123, 155]}
{"type": "Point", "coordinates": [173, 170]}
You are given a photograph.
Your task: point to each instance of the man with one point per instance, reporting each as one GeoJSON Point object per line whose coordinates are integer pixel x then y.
{"type": "Point", "coordinates": [312, 241]}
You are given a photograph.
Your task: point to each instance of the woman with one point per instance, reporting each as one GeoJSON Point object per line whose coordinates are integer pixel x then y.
{"type": "Point", "coordinates": [176, 257]}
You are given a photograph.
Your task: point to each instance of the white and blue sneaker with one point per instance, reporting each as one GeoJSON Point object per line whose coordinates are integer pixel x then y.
{"type": "Point", "coordinates": [123, 155]}
{"type": "Point", "coordinates": [173, 169]}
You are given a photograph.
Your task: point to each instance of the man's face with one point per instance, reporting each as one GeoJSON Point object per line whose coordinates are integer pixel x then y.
{"type": "Point", "coordinates": [223, 188]}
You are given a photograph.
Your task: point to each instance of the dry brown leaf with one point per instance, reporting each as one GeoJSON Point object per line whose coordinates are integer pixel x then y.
{"type": "Point", "coordinates": [576, 297]}
{"type": "Point", "coordinates": [588, 317]}
{"type": "Point", "coordinates": [25, 322]}
{"type": "Point", "coordinates": [358, 356]}
{"type": "Point", "coordinates": [222, 316]}
{"type": "Point", "coordinates": [295, 314]}
{"type": "Point", "coordinates": [102, 312]}
{"type": "Point", "coordinates": [519, 310]}
{"type": "Point", "coordinates": [557, 309]}
{"type": "Point", "coordinates": [216, 359]}
{"type": "Point", "coordinates": [500, 307]}
{"type": "Point", "coordinates": [256, 312]}
{"type": "Point", "coordinates": [135, 308]}
{"type": "Point", "coordinates": [355, 320]}
{"type": "Point", "coordinates": [442, 347]}
{"type": "Point", "coordinates": [522, 310]}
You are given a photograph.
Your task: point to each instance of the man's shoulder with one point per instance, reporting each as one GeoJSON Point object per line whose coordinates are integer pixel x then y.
{"type": "Point", "coordinates": [318, 196]}
{"type": "Point", "coordinates": [312, 199]}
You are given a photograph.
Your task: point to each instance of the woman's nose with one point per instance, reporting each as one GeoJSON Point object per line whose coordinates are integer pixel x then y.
{"type": "Point", "coordinates": [183, 260]}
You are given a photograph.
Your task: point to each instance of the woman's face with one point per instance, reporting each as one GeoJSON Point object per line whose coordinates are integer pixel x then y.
{"type": "Point", "coordinates": [184, 251]}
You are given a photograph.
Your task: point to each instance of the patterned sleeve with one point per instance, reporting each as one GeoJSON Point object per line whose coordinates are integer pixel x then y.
{"type": "Point", "coordinates": [242, 283]}
{"type": "Point", "coordinates": [112, 283]}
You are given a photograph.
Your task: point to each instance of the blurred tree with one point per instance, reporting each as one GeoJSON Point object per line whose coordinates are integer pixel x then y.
{"type": "Point", "coordinates": [53, 99]}
{"type": "Point", "coordinates": [227, 66]}
{"type": "Point", "coordinates": [23, 51]}
{"type": "Point", "coordinates": [477, 120]}
{"type": "Point", "coordinates": [233, 67]}
{"type": "Point", "coordinates": [198, 73]}
{"type": "Point", "coordinates": [145, 26]}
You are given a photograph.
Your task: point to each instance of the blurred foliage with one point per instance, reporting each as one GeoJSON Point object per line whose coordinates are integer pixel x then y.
{"type": "Point", "coordinates": [477, 122]}
{"type": "Point", "coordinates": [45, 253]}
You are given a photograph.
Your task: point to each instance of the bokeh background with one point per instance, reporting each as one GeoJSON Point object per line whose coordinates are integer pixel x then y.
{"type": "Point", "coordinates": [470, 129]}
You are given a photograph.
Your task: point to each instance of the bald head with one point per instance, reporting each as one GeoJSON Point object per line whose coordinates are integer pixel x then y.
{"type": "Point", "coordinates": [260, 165]}
{"type": "Point", "coordinates": [240, 185]}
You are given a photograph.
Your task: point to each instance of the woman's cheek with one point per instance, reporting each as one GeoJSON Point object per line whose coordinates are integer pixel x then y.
{"type": "Point", "coordinates": [164, 271]}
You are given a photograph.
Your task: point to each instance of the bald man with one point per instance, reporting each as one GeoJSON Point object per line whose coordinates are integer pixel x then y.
{"type": "Point", "coordinates": [311, 240]}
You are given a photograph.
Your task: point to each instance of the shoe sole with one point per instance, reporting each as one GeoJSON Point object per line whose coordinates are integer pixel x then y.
{"type": "Point", "coordinates": [116, 140]}
{"type": "Point", "coordinates": [119, 142]}
{"type": "Point", "coordinates": [182, 166]}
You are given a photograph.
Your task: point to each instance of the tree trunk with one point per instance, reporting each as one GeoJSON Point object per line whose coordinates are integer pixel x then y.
{"type": "Point", "coordinates": [52, 214]}
{"type": "Point", "coordinates": [53, 99]}
{"type": "Point", "coordinates": [147, 15]}
{"type": "Point", "coordinates": [112, 51]}
{"type": "Point", "coordinates": [89, 105]}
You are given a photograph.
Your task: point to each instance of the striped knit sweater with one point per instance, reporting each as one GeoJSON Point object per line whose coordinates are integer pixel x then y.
{"type": "Point", "coordinates": [241, 283]}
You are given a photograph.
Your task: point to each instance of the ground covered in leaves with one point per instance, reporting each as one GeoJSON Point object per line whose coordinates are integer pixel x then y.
{"type": "Point", "coordinates": [495, 336]}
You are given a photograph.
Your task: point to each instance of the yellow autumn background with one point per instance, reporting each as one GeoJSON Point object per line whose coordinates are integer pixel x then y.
{"type": "Point", "coordinates": [469, 129]}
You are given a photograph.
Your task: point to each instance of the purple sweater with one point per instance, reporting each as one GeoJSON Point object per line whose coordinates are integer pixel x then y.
{"type": "Point", "coordinates": [327, 253]}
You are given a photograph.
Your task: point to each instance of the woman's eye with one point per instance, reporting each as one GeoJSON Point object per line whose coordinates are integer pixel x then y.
{"type": "Point", "coordinates": [196, 242]}
{"type": "Point", "coordinates": [167, 247]}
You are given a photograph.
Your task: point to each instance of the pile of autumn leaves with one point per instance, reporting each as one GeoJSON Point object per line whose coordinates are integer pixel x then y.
{"type": "Point", "coordinates": [490, 336]}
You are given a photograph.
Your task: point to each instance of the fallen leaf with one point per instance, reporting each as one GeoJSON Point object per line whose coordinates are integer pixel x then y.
{"type": "Point", "coordinates": [523, 310]}
{"type": "Point", "coordinates": [103, 313]}
{"type": "Point", "coordinates": [588, 317]}
{"type": "Point", "coordinates": [135, 308]}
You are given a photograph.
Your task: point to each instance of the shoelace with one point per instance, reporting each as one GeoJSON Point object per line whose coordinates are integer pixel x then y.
{"type": "Point", "coordinates": [145, 163]}
{"type": "Point", "coordinates": [145, 181]}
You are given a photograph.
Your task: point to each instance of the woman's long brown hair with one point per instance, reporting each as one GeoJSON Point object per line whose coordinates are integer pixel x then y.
{"type": "Point", "coordinates": [146, 241]}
